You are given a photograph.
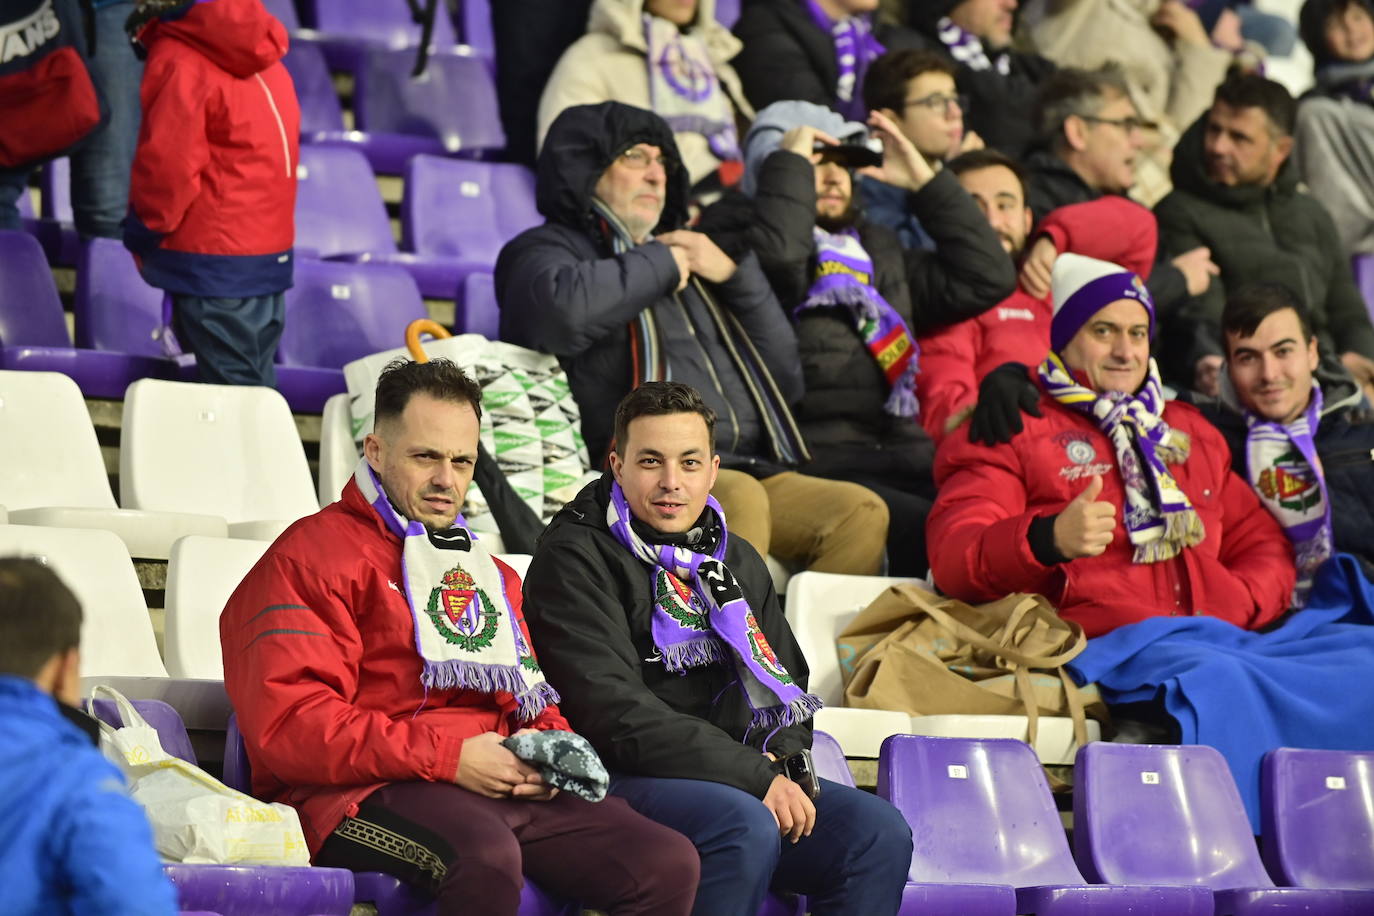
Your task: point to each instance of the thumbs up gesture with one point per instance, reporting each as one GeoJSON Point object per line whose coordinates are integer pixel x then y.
{"type": "Point", "coordinates": [1084, 528]}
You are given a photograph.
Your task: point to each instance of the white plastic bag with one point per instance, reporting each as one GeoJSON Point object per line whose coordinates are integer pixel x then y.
{"type": "Point", "coordinates": [196, 819]}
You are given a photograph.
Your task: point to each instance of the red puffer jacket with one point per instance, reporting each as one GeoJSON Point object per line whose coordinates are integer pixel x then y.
{"type": "Point", "coordinates": [1241, 572]}
{"type": "Point", "coordinates": [213, 191]}
{"type": "Point", "coordinates": [1017, 329]}
{"type": "Point", "coordinates": [320, 665]}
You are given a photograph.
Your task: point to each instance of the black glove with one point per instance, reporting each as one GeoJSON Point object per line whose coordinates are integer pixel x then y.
{"type": "Point", "coordinates": [1003, 394]}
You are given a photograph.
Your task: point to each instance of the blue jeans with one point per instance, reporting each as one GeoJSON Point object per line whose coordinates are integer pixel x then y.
{"type": "Point", "coordinates": [234, 340]}
{"type": "Point", "coordinates": [855, 861]}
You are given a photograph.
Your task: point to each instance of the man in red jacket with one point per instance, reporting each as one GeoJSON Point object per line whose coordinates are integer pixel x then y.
{"type": "Point", "coordinates": [377, 658]}
{"type": "Point", "coordinates": [212, 197]}
{"type": "Point", "coordinates": [1113, 503]}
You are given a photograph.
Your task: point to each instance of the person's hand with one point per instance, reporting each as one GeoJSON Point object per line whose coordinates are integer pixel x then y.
{"type": "Point", "coordinates": [1084, 528]}
{"type": "Point", "coordinates": [802, 140]}
{"type": "Point", "coordinates": [791, 808]}
{"type": "Point", "coordinates": [1198, 269]}
{"type": "Point", "coordinates": [902, 165]}
{"type": "Point", "coordinates": [703, 257]}
{"type": "Point", "coordinates": [1003, 394]}
{"type": "Point", "coordinates": [1038, 267]}
{"type": "Point", "coordinates": [1177, 18]}
{"type": "Point", "coordinates": [970, 142]}
{"type": "Point", "coordinates": [1207, 376]}
{"type": "Point", "coordinates": [1362, 368]}
{"type": "Point", "coordinates": [488, 768]}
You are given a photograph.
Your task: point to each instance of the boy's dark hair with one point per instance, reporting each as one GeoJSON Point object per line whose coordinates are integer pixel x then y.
{"type": "Point", "coordinates": [1250, 90]}
{"type": "Point", "coordinates": [1312, 24]}
{"type": "Point", "coordinates": [1251, 304]}
{"type": "Point", "coordinates": [1073, 91]}
{"type": "Point", "coordinates": [978, 159]}
{"type": "Point", "coordinates": [39, 616]}
{"type": "Point", "coordinates": [886, 79]}
{"type": "Point", "coordinates": [439, 378]}
{"type": "Point", "coordinates": [655, 399]}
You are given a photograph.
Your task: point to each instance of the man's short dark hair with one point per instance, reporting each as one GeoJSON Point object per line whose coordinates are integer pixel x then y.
{"type": "Point", "coordinates": [886, 79]}
{"type": "Point", "coordinates": [439, 378]}
{"type": "Point", "coordinates": [1250, 90]}
{"type": "Point", "coordinates": [1251, 304]}
{"type": "Point", "coordinates": [976, 160]}
{"type": "Point", "coordinates": [39, 616]}
{"type": "Point", "coordinates": [655, 399]}
{"type": "Point", "coordinates": [1072, 91]}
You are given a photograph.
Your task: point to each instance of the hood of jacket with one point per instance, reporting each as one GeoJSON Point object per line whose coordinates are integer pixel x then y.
{"type": "Point", "coordinates": [239, 36]}
{"type": "Point", "coordinates": [1189, 172]}
{"type": "Point", "coordinates": [623, 20]}
{"type": "Point", "coordinates": [582, 143]}
{"type": "Point", "coordinates": [765, 135]}
{"type": "Point", "coordinates": [923, 15]}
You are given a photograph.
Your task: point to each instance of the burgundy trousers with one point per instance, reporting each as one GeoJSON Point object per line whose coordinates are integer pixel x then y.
{"type": "Point", "coordinates": [473, 852]}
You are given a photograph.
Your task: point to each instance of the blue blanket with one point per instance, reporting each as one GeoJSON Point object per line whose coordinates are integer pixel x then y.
{"type": "Point", "coordinates": [1308, 683]}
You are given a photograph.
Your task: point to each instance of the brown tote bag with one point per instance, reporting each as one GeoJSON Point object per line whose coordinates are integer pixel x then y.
{"type": "Point", "coordinates": [916, 652]}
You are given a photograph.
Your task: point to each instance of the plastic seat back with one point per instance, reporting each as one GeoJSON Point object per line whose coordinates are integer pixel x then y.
{"type": "Point", "coordinates": [226, 450]}
{"type": "Point", "coordinates": [285, 11]}
{"type": "Point", "coordinates": [1134, 805]}
{"type": "Point", "coordinates": [337, 312]}
{"type": "Point", "coordinates": [830, 760]}
{"type": "Point", "coordinates": [114, 307]}
{"type": "Point", "coordinates": [476, 310]}
{"type": "Point", "coordinates": [466, 208]}
{"type": "Point", "coordinates": [388, 22]}
{"type": "Point", "coordinates": [320, 108]}
{"type": "Point", "coordinates": [338, 453]}
{"type": "Point", "coordinates": [51, 456]}
{"type": "Point", "coordinates": [116, 633]}
{"type": "Point", "coordinates": [30, 310]}
{"type": "Point", "coordinates": [338, 207]}
{"type": "Point", "coordinates": [453, 102]}
{"type": "Point", "coordinates": [202, 573]}
{"type": "Point", "coordinates": [980, 811]}
{"type": "Point", "coordinates": [1318, 814]}
{"type": "Point", "coordinates": [475, 19]}
{"type": "Point", "coordinates": [171, 731]}
{"type": "Point", "coordinates": [727, 12]}
{"type": "Point", "coordinates": [1363, 266]}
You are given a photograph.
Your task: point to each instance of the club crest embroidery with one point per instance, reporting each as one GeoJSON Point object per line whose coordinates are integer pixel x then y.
{"type": "Point", "coordinates": [463, 613]}
{"type": "Point", "coordinates": [1290, 483]}
{"type": "Point", "coordinates": [763, 652]}
{"type": "Point", "coordinates": [678, 602]}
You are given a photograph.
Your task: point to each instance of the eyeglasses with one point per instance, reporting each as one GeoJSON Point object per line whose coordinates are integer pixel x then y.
{"type": "Point", "coordinates": [939, 102]}
{"type": "Point", "coordinates": [639, 160]}
{"type": "Point", "coordinates": [1129, 125]}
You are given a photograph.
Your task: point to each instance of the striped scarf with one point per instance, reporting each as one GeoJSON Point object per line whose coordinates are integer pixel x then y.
{"type": "Point", "coordinates": [855, 48]}
{"type": "Point", "coordinates": [967, 48]}
{"type": "Point", "coordinates": [1160, 520]}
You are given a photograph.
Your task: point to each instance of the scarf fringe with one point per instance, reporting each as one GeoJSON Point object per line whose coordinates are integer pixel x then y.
{"type": "Point", "coordinates": [793, 713]}
{"type": "Point", "coordinates": [901, 400]}
{"type": "Point", "coordinates": [535, 700]}
{"type": "Point", "coordinates": [846, 296]}
{"type": "Point", "coordinates": [457, 674]}
{"type": "Point", "coordinates": [695, 653]}
{"type": "Point", "coordinates": [1181, 529]}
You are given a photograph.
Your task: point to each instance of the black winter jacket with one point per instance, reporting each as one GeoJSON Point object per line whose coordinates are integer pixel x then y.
{"type": "Point", "coordinates": [562, 291]}
{"type": "Point", "coordinates": [589, 606]}
{"type": "Point", "coordinates": [1275, 234]}
{"type": "Point", "coordinates": [845, 388]}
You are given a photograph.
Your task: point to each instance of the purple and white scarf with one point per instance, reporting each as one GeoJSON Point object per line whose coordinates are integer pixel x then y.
{"type": "Point", "coordinates": [1282, 465]}
{"type": "Point", "coordinates": [466, 632]}
{"type": "Point", "coordinates": [844, 278]}
{"type": "Point", "coordinates": [701, 617]}
{"type": "Point", "coordinates": [684, 89]}
{"type": "Point", "coordinates": [855, 48]}
{"type": "Point", "coordinates": [967, 48]}
{"type": "Point", "coordinates": [1160, 519]}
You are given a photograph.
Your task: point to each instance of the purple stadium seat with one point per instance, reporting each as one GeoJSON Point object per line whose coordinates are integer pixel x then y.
{"type": "Point", "coordinates": [345, 30]}
{"type": "Point", "coordinates": [727, 12]}
{"type": "Point", "coordinates": [450, 110]}
{"type": "Point", "coordinates": [339, 312]}
{"type": "Point", "coordinates": [1363, 265]}
{"type": "Point", "coordinates": [981, 814]}
{"type": "Point", "coordinates": [284, 10]}
{"type": "Point", "coordinates": [476, 31]}
{"type": "Point", "coordinates": [33, 329]}
{"type": "Point", "coordinates": [234, 890]}
{"type": "Point", "coordinates": [1310, 798]}
{"type": "Point", "coordinates": [25, 204]}
{"type": "Point", "coordinates": [829, 759]}
{"type": "Point", "coordinates": [465, 211]}
{"type": "Point", "coordinates": [1172, 815]}
{"type": "Point", "coordinates": [321, 113]}
{"type": "Point", "coordinates": [55, 189]}
{"type": "Point", "coordinates": [475, 310]}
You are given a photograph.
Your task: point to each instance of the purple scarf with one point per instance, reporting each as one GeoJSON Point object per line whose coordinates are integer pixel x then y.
{"type": "Point", "coordinates": [967, 48]}
{"type": "Point", "coordinates": [701, 617]}
{"type": "Point", "coordinates": [684, 89]}
{"type": "Point", "coordinates": [855, 48]}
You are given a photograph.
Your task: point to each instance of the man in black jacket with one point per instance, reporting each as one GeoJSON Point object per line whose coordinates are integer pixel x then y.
{"type": "Point", "coordinates": [858, 298]}
{"type": "Point", "coordinates": [615, 288]}
{"type": "Point", "coordinates": [673, 658]}
{"type": "Point", "coordinates": [1278, 410]}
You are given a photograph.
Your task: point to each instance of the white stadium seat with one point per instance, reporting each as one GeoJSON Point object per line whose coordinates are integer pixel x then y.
{"type": "Point", "coordinates": [338, 452]}
{"type": "Point", "coordinates": [201, 575]}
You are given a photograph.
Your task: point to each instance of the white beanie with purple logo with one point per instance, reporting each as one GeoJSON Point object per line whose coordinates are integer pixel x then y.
{"type": "Point", "coordinates": [1082, 287]}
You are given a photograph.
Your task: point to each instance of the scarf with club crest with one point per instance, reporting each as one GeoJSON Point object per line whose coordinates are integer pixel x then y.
{"type": "Point", "coordinates": [1282, 464]}
{"type": "Point", "coordinates": [855, 48]}
{"type": "Point", "coordinates": [967, 48]}
{"type": "Point", "coordinates": [684, 89]}
{"type": "Point", "coordinates": [466, 632]}
{"type": "Point", "coordinates": [701, 616]}
{"type": "Point", "coordinates": [844, 278]}
{"type": "Point", "coordinates": [1160, 519]}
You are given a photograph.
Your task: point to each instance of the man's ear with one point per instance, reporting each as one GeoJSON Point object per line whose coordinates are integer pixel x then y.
{"type": "Point", "coordinates": [1075, 132]}
{"type": "Point", "coordinates": [372, 450]}
{"type": "Point", "coordinates": [67, 683]}
{"type": "Point", "coordinates": [615, 461]}
{"type": "Point", "coordinates": [1284, 147]}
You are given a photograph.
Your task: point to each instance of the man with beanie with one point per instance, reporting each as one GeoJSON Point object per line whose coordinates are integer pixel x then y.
{"type": "Point", "coordinates": [1113, 503]}
{"type": "Point", "coordinates": [857, 297]}
{"type": "Point", "coordinates": [212, 198]}
{"type": "Point", "coordinates": [665, 637]}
